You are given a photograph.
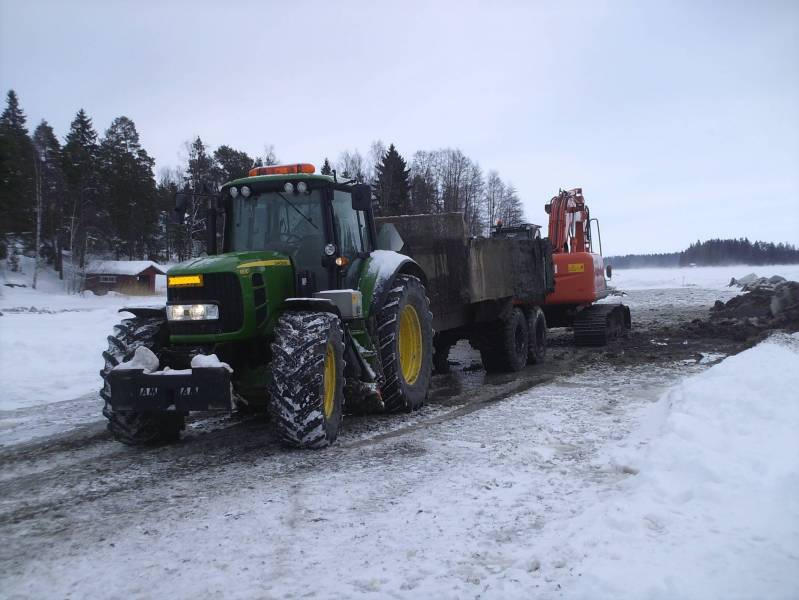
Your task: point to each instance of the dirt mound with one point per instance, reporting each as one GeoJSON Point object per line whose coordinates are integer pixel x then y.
{"type": "Point", "coordinates": [764, 308]}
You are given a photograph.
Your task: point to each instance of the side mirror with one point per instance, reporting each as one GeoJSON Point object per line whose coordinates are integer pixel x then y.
{"type": "Point", "coordinates": [361, 196]}
{"type": "Point", "coordinates": [609, 271]}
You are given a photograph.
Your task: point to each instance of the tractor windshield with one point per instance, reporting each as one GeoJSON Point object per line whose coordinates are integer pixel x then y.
{"type": "Point", "coordinates": [288, 223]}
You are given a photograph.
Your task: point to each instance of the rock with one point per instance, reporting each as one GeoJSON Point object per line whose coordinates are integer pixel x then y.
{"type": "Point", "coordinates": [535, 564]}
{"type": "Point", "coordinates": [775, 279]}
{"type": "Point", "coordinates": [786, 296]}
{"type": "Point", "coordinates": [746, 279]}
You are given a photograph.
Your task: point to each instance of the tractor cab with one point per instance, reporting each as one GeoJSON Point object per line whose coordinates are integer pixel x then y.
{"type": "Point", "coordinates": [324, 226]}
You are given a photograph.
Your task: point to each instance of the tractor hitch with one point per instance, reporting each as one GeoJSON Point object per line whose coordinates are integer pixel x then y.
{"type": "Point", "coordinates": [200, 388]}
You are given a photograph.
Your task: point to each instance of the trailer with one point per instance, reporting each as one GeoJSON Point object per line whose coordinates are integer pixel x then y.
{"type": "Point", "coordinates": [488, 291]}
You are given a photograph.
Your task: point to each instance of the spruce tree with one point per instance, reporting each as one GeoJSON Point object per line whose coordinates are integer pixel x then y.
{"type": "Point", "coordinates": [393, 186]}
{"type": "Point", "coordinates": [231, 164]}
{"type": "Point", "coordinates": [326, 168]}
{"type": "Point", "coordinates": [16, 170]}
{"type": "Point", "coordinates": [129, 192]}
{"type": "Point", "coordinates": [81, 173]}
{"type": "Point", "coordinates": [53, 188]}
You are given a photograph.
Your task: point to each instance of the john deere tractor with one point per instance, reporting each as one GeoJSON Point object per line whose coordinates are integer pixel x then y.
{"type": "Point", "coordinates": [306, 316]}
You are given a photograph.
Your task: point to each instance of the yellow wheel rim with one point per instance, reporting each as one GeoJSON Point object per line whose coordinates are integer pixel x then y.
{"type": "Point", "coordinates": [410, 344]}
{"type": "Point", "coordinates": [330, 382]}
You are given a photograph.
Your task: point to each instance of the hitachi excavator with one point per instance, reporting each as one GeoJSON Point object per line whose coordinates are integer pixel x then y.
{"type": "Point", "coordinates": [580, 275]}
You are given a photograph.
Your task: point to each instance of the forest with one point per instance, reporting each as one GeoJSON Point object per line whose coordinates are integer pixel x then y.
{"type": "Point", "coordinates": [711, 253]}
{"type": "Point", "coordinates": [92, 195]}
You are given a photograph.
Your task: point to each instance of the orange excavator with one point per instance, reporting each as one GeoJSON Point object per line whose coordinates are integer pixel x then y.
{"type": "Point", "coordinates": [580, 276]}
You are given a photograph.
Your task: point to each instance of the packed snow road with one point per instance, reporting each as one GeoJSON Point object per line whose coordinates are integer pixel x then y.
{"type": "Point", "coordinates": [486, 492]}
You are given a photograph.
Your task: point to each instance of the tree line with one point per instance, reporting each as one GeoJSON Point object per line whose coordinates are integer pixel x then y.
{"type": "Point", "coordinates": [713, 252]}
{"type": "Point", "coordinates": [98, 195]}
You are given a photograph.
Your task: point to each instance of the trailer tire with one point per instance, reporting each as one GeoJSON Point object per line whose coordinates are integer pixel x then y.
{"type": "Point", "coordinates": [537, 335]}
{"type": "Point", "coordinates": [306, 384]}
{"type": "Point", "coordinates": [135, 428]}
{"type": "Point", "coordinates": [504, 346]}
{"type": "Point", "coordinates": [405, 340]}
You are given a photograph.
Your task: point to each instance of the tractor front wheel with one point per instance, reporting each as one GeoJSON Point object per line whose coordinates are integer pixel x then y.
{"type": "Point", "coordinates": [306, 386]}
{"type": "Point", "coordinates": [132, 427]}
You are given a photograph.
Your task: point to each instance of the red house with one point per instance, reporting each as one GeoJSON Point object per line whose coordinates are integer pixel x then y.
{"type": "Point", "coordinates": [131, 277]}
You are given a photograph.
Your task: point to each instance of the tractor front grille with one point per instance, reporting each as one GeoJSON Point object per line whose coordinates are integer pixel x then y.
{"type": "Point", "coordinates": [222, 288]}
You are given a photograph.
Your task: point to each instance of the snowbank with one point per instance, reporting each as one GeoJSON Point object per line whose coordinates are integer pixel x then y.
{"type": "Point", "coordinates": [713, 511]}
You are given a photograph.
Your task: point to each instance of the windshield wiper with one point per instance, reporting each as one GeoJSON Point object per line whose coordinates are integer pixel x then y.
{"type": "Point", "coordinates": [299, 212]}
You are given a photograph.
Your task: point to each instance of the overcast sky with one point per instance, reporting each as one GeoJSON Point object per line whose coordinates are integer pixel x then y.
{"type": "Point", "coordinates": [680, 121]}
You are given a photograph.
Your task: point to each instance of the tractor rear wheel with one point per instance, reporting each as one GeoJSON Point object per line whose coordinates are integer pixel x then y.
{"type": "Point", "coordinates": [405, 339]}
{"type": "Point", "coordinates": [504, 347]}
{"type": "Point", "coordinates": [306, 385]}
{"type": "Point", "coordinates": [537, 334]}
{"type": "Point", "coordinates": [132, 427]}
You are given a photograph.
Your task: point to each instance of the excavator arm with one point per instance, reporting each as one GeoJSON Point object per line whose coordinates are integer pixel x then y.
{"type": "Point", "coordinates": [569, 222]}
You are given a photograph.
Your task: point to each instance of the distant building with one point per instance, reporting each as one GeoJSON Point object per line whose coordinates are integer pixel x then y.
{"type": "Point", "coordinates": [132, 277]}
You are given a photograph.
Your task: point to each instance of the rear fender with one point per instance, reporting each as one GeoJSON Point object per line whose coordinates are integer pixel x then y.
{"type": "Point", "coordinates": [378, 277]}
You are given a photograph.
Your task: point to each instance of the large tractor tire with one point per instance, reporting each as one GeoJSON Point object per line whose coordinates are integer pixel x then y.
{"type": "Point", "coordinates": [131, 427]}
{"type": "Point", "coordinates": [405, 339]}
{"type": "Point", "coordinates": [537, 334]}
{"type": "Point", "coordinates": [306, 386]}
{"type": "Point", "coordinates": [505, 347]}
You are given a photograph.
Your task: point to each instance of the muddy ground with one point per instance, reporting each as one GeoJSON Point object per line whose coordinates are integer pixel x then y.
{"type": "Point", "coordinates": [78, 482]}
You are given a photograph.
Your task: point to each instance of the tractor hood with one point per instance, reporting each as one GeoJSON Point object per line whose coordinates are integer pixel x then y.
{"type": "Point", "coordinates": [249, 288]}
{"type": "Point", "coordinates": [240, 262]}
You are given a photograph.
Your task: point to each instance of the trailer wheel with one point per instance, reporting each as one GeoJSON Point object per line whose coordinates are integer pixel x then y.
{"type": "Point", "coordinates": [504, 347]}
{"type": "Point", "coordinates": [537, 333]}
{"type": "Point", "coordinates": [405, 338]}
{"type": "Point", "coordinates": [131, 427]}
{"type": "Point", "coordinates": [306, 385]}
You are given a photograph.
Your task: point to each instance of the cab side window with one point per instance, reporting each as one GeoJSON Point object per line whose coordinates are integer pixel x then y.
{"type": "Point", "coordinates": [351, 230]}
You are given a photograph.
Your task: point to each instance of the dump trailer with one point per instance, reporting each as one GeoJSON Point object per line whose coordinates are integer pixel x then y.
{"type": "Point", "coordinates": [488, 291]}
{"type": "Point", "coordinates": [295, 309]}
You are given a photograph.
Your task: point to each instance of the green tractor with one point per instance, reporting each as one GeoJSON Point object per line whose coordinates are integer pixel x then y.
{"type": "Point", "coordinates": [301, 314]}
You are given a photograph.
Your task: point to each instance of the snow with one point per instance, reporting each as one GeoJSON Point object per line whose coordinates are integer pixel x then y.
{"type": "Point", "coordinates": [713, 509]}
{"type": "Point", "coordinates": [384, 263]}
{"type": "Point", "coordinates": [51, 342]}
{"type": "Point", "coordinates": [143, 358]}
{"type": "Point", "coordinates": [651, 481]}
{"type": "Point", "coordinates": [717, 278]}
{"type": "Point", "coordinates": [123, 267]}
{"type": "Point", "coordinates": [202, 361]}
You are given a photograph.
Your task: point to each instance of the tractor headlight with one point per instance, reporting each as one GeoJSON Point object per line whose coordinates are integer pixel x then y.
{"type": "Point", "coordinates": [192, 312]}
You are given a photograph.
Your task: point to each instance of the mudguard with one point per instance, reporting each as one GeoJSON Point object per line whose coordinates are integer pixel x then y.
{"type": "Point", "coordinates": [378, 276]}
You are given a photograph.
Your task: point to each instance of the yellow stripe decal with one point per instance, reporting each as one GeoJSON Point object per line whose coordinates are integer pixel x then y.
{"type": "Point", "coordinates": [277, 262]}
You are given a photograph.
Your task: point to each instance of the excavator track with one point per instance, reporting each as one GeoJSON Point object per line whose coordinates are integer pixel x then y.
{"type": "Point", "coordinates": [598, 324]}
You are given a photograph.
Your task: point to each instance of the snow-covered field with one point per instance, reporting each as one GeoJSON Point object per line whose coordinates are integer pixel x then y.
{"type": "Point", "coordinates": [712, 278]}
{"type": "Point", "coordinates": [658, 480]}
